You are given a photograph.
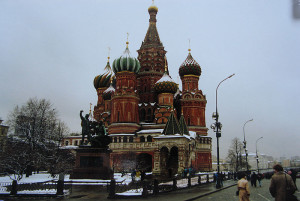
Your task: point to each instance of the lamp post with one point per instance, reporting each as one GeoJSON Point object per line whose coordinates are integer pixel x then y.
{"type": "Point", "coordinates": [245, 145]}
{"type": "Point", "coordinates": [257, 155]}
{"type": "Point", "coordinates": [217, 128]}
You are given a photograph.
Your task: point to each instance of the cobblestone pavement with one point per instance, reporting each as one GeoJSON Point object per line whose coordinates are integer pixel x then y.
{"type": "Point", "coordinates": [256, 194]}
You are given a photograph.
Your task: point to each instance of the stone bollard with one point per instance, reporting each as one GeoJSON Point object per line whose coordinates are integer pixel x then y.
{"type": "Point", "coordinates": [14, 187]}
{"type": "Point", "coordinates": [207, 178]}
{"type": "Point", "coordinates": [189, 182]}
{"type": "Point", "coordinates": [145, 189]}
{"type": "Point", "coordinates": [60, 185]}
{"type": "Point", "coordinates": [112, 189]}
{"type": "Point", "coordinates": [155, 188]}
{"type": "Point", "coordinates": [174, 183]}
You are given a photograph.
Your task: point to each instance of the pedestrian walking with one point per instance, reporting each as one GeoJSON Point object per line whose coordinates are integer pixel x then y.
{"type": "Point", "coordinates": [243, 188]}
{"type": "Point", "coordinates": [282, 186]}
{"type": "Point", "coordinates": [259, 178]}
{"type": "Point", "coordinates": [253, 179]}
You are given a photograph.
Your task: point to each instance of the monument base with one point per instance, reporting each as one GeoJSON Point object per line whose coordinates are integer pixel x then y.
{"type": "Point", "coordinates": [92, 163]}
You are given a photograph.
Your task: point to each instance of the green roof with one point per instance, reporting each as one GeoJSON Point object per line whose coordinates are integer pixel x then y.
{"type": "Point", "coordinates": [172, 126]}
{"type": "Point", "coordinates": [183, 126]}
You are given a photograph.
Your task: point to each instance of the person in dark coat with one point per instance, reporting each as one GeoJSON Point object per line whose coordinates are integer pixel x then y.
{"type": "Point", "coordinates": [259, 178]}
{"type": "Point", "coordinates": [253, 179]}
{"type": "Point", "coordinates": [279, 183]}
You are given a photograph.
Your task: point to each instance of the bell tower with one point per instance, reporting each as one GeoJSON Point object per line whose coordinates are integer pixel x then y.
{"type": "Point", "coordinates": [151, 56]}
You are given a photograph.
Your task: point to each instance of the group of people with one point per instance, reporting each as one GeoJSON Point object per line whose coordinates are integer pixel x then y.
{"type": "Point", "coordinates": [186, 172]}
{"type": "Point", "coordinates": [282, 186]}
{"type": "Point", "coordinates": [256, 177]}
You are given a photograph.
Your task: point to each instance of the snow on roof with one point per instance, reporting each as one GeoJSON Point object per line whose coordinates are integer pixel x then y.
{"type": "Point", "coordinates": [169, 136]}
{"type": "Point", "coordinates": [151, 131]}
{"type": "Point", "coordinates": [193, 134]}
{"type": "Point", "coordinates": [165, 78]}
{"type": "Point", "coordinates": [110, 89]}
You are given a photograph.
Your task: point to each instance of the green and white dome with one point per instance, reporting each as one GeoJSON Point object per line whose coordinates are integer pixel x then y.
{"type": "Point", "coordinates": [126, 63]}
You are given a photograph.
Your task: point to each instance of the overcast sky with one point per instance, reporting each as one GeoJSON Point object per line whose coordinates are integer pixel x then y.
{"type": "Point", "coordinates": [53, 49]}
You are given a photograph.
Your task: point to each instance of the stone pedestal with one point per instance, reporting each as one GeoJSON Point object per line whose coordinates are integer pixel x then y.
{"type": "Point", "coordinates": [92, 163]}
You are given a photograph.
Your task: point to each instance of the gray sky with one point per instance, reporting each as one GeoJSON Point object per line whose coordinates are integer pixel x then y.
{"type": "Point", "coordinates": [53, 49]}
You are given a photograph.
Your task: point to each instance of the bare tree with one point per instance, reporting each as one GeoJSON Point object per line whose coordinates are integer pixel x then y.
{"type": "Point", "coordinates": [36, 126]}
{"type": "Point", "coordinates": [234, 156]}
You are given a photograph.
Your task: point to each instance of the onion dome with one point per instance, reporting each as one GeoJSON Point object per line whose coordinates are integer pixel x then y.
{"type": "Point", "coordinates": [165, 84]}
{"type": "Point", "coordinates": [108, 92]}
{"type": "Point", "coordinates": [103, 80]}
{"type": "Point", "coordinates": [189, 66]}
{"type": "Point", "coordinates": [152, 8]}
{"type": "Point", "coordinates": [126, 63]}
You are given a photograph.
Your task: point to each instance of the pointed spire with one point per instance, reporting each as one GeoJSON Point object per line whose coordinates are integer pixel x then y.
{"type": "Point", "coordinates": [172, 126]}
{"type": "Point", "coordinates": [127, 40]}
{"type": "Point", "coordinates": [152, 37]}
{"type": "Point", "coordinates": [107, 67]}
{"type": "Point", "coordinates": [189, 46]}
{"type": "Point", "coordinates": [182, 124]}
{"type": "Point", "coordinates": [126, 53]}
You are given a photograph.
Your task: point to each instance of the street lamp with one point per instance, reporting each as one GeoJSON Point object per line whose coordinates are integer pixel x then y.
{"type": "Point", "coordinates": [245, 144]}
{"type": "Point", "coordinates": [257, 154]}
{"type": "Point", "coordinates": [217, 128]}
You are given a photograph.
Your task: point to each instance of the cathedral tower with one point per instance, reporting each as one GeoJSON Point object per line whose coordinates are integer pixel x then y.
{"type": "Point", "coordinates": [151, 56]}
{"type": "Point", "coordinates": [101, 83]}
{"type": "Point", "coordinates": [124, 102]}
{"type": "Point", "coordinates": [193, 102]}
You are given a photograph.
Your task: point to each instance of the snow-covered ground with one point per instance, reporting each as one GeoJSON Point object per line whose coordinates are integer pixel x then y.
{"type": "Point", "coordinates": [125, 179]}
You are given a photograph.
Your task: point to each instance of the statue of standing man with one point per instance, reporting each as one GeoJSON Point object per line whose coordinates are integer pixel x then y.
{"type": "Point", "coordinates": [85, 124]}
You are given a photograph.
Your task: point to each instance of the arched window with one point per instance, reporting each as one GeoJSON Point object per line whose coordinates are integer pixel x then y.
{"type": "Point", "coordinates": [142, 139]}
{"type": "Point", "coordinates": [115, 139]}
{"type": "Point", "coordinates": [125, 139]}
{"type": "Point", "coordinates": [67, 143]}
{"type": "Point", "coordinates": [76, 143]}
{"type": "Point", "coordinates": [120, 139]}
{"type": "Point", "coordinates": [131, 139]}
{"type": "Point", "coordinates": [149, 138]}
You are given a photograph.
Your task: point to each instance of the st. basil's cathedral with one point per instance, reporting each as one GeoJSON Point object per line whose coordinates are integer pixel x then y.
{"type": "Point", "coordinates": [153, 125]}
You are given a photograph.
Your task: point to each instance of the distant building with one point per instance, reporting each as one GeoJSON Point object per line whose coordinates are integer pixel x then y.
{"type": "Point", "coordinates": [263, 162]}
{"type": "Point", "coordinates": [71, 141]}
{"type": "Point", "coordinates": [286, 163]}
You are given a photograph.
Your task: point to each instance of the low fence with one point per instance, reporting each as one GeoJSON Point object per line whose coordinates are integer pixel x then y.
{"type": "Point", "coordinates": [153, 187]}
{"type": "Point", "coordinates": [40, 188]}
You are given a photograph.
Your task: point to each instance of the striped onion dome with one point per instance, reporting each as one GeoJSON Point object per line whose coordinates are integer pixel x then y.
{"type": "Point", "coordinates": [126, 63]}
{"type": "Point", "coordinates": [189, 67]}
{"type": "Point", "coordinates": [103, 80]}
{"type": "Point", "coordinates": [165, 85]}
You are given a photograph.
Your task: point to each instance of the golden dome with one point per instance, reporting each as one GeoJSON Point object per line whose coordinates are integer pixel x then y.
{"type": "Point", "coordinates": [152, 8]}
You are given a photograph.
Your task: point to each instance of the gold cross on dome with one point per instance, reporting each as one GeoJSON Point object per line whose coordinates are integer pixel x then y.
{"type": "Point", "coordinates": [127, 40]}
{"type": "Point", "coordinates": [108, 53]}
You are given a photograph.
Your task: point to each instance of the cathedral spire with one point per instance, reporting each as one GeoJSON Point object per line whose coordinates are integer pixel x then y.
{"type": "Point", "coordinates": [152, 37]}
